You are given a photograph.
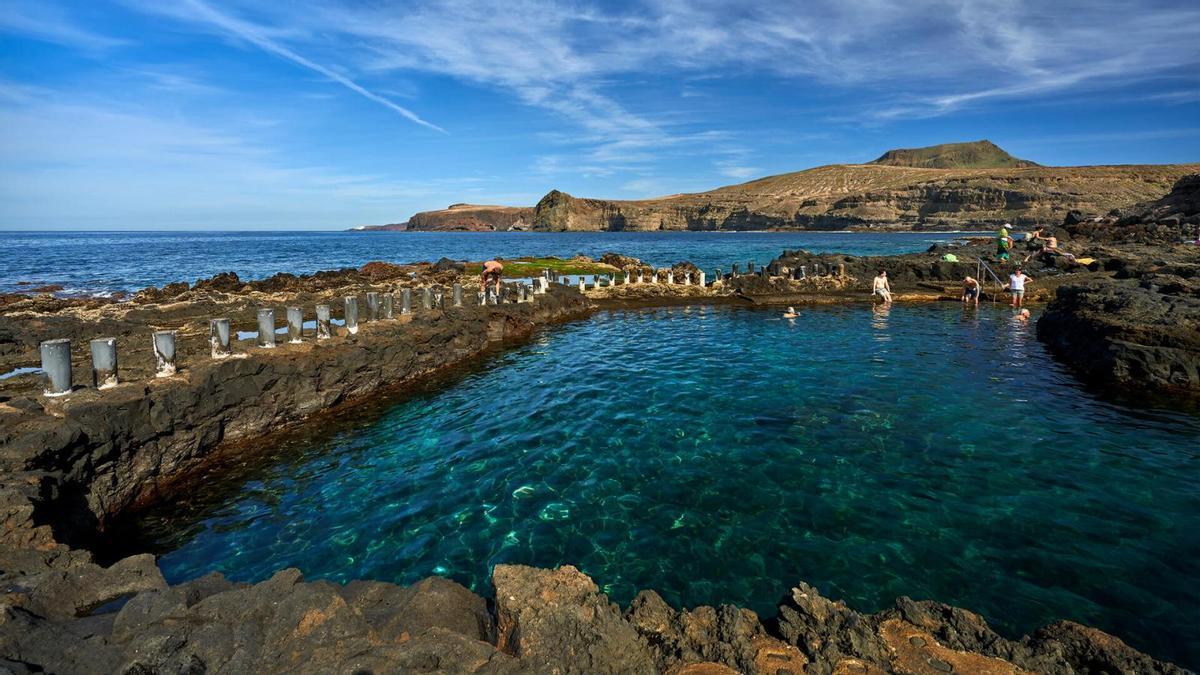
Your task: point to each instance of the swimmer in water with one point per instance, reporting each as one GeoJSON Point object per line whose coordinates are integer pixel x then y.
{"type": "Point", "coordinates": [790, 313]}
{"type": "Point", "coordinates": [1022, 316]}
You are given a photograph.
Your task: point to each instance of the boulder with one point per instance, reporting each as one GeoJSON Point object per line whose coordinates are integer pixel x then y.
{"type": "Point", "coordinates": [558, 621]}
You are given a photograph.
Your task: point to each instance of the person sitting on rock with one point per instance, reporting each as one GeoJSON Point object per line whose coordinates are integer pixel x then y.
{"type": "Point", "coordinates": [1051, 245]}
{"type": "Point", "coordinates": [492, 271]}
{"type": "Point", "coordinates": [970, 290]}
{"type": "Point", "coordinates": [882, 288]}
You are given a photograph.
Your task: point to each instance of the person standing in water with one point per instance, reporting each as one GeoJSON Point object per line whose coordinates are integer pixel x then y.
{"type": "Point", "coordinates": [492, 271]}
{"type": "Point", "coordinates": [970, 290]}
{"type": "Point", "coordinates": [881, 287]}
{"type": "Point", "coordinates": [1016, 286]}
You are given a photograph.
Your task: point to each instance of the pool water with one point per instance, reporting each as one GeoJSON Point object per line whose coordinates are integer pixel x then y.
{"type": "Point", "coordinates": [718, 455]}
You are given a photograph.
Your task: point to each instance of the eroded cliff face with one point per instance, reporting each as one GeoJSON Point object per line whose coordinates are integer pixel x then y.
{"type": "Point", "coordinates": [872, 197]}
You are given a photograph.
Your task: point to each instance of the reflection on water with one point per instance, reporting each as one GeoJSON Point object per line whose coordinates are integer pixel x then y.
{"type": "Point", "coordinates": [720, 455]}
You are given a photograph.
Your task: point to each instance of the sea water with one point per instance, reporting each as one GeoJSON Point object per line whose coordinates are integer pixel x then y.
{"type": "Point", "coordinates": [719, 455]}
{"type": "Point", "coordinates": [100, 263]}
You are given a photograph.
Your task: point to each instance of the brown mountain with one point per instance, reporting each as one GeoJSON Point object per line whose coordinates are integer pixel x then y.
{"type": "Point", "coordinates": [975, 155]}
{"type": "Point", "coordinates": [879, 195]}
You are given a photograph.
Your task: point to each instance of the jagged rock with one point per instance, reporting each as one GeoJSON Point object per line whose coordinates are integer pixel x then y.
{"type": "Point", "coordinates": [30, 640]}
{"type": "Point", "coordinates": [1089, 650]}
{"type": "Point", "coordinates": [78, 590]}
{"type": "Point", "coordinates": [728, 636]}
{"type": "Point", "coordinates": [829, 632]}
{"type": "Point", "coordinates": [558, 621]}
{"type": "Point", "coordinates": [620, 261]}
{"type": "Point", "coordinates": [434, 602]}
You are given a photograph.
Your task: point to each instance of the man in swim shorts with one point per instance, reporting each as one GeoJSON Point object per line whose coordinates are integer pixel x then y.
{"type": "Point", "coordinates": [970, 290]}
{"type": "Point", "coordinates": [881, 287]}
{"type": "Point", "coordinates": [492, 271]}
{"type": "Point", "coordinates": [1016, 287]}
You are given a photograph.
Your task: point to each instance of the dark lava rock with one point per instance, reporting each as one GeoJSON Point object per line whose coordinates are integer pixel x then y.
{"type": "Point", "coordinates": [434, 602]}
{"type": "Point", "coordinates": [728, 636]}
{"type": "Point", "coordinates": [76, 591]}
{"type": "Point", "coordinates": [620, 261]}
{"type": "Point", "coordinates": [225, 282]}
{"type": "Point", "coordinates": [829, 632]}
{"type": "Point", "coordinates": [448, 265]}
{"type": "Point", "coordinates": [559, 621]}
{"type": "Point", "coordinates": [1139, 333]}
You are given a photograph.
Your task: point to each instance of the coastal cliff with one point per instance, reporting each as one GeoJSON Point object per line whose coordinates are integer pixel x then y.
{"type": "Point", "coordinates": [954, 186]}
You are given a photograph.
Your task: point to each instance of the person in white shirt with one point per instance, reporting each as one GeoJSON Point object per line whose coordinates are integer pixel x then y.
{"type": "Point", "coordinates": [1016, 287]}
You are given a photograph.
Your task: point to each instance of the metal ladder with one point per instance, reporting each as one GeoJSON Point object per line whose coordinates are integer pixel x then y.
{"type": "Point", "coordinates": [982, 265]}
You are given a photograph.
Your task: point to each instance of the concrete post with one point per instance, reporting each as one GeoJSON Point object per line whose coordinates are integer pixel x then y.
{"type": "Point", "coordinates": [734, 272]}
{"type": "Point", "coordinates": [841, 269]}
{"type": "Point", "coordinates": [582, 284]}
{"type": "Point", "coordinates": [687, 279]}
{"type": "Point", "coordinates": [626, 277]}
{"type": "Point", "coordinates": [804, 271]}
{"type": "Point", "coordinates": [717, 277]}
{"type": "Point", "coordinates": [351, 305]}
{"type": "Point", "coordinates": [324, 327]}
{"type": "Point", "coordinates": [427, 298]}
{"type": "Point", "coordinates": [372, 306]}
{"type": "Point", "coordinates": [641, 277]}
{"type": "Point", "coordinates": [104, 362]}
{"type": "Point", "coordinates": [493, 298]}
{"type": "Point", "coordinates": [405, 301]}
{"type": "Point", "coordinates": [670, 277]}
{"type": "Point", "coordinates": [389, 306]}
{"type": "Point", "coordinates": [702, 280]}
{"type": "Point", "coordinates": [218, 338]}
{"type": "Point", "coordinates": [458, 294]}
{"type": "Point", "coordinates": [266, 327]}
{"type": "Point", "coordinates": [295, 319]}
{"type": "Point", "coordinates": [164, 352]}
{"type": "Point", "coordinates": [750, 267]}
{"type": "Point", "coordinates": [56, 364]}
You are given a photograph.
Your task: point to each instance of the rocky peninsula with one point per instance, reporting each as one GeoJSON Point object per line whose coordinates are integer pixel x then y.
{"type": "Point", "coordinates": [1120, 312]}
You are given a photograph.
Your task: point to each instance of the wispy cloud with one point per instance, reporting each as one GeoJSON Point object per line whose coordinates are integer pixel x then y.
{"type": "Point", "coordinates": [197, 11]}
{"type": "Point", "coordinates": [45, 21]}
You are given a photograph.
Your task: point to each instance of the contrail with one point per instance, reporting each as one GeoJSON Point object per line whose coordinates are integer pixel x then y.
{"type": "Point", "coordinates": [267, 44]}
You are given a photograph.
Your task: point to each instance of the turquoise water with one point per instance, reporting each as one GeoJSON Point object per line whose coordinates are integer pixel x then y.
{"type": "Point", "coordinates": [87, 263]}
{"type": "Point", "coordinates": [720, 454]}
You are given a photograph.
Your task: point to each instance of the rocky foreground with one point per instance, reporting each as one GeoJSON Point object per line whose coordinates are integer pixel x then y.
{"type": "Point", "coordinates": [539, 621]}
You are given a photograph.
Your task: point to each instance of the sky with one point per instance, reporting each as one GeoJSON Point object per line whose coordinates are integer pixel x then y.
{"type": "Point", "coordinates": [230, 114]}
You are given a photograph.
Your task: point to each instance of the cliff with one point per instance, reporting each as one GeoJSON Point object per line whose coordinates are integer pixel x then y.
{"type": "Point", "coordinates": [953, 186]}
{"type": "Point", "coordinates": [464, 218]}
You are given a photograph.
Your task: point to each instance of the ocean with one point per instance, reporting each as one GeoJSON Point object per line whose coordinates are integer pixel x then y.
{"type": "Point", "coordinates": [100, 263]}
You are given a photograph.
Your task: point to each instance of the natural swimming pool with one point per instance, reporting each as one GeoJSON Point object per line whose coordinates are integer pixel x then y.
{"type": "Point", "coordinates": [719, 454]}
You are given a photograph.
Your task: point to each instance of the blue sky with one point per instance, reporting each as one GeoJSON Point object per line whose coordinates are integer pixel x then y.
{"type": "Point", "coordinates": [227, 114]}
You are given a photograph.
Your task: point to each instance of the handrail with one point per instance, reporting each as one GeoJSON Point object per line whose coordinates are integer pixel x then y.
{"type": "Point", "coordinates": [981, 264]}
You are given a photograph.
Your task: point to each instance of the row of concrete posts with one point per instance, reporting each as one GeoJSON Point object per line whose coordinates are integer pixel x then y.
{"type": "Point", "coordinates": [56, 354]}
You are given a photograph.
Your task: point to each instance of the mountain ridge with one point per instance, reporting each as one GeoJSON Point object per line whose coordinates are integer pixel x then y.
{"type": "Point", "coordinates": [879, 195]}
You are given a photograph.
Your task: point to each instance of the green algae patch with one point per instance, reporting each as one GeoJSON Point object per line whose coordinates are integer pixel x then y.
{"type": "Point", "coordinates": [529, 267]}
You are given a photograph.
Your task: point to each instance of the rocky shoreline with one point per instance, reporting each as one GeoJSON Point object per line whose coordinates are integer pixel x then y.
{"type": "Point", "coordinates": [68, 466]}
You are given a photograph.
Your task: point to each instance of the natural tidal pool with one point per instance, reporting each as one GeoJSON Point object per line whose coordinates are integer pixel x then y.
{"type": "Point", "coordinates": [719, 454]}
